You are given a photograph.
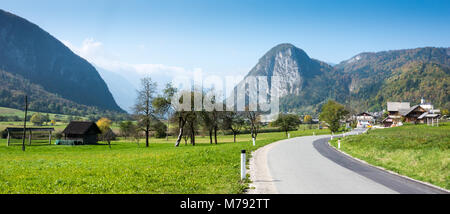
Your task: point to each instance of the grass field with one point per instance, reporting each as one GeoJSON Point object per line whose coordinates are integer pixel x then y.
{"type": "Point", "coordinates": [4, 111]}
{"type": "Point", "coordinates": [129, 168]}
{"type": "Point", "coordinates": [418, 151]}
{"type": "Point", "coordinates": [59, 126]}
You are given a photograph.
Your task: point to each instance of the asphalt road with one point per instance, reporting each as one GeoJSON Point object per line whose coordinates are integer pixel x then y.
{"type": "Point", "coordinates": [310, 165]}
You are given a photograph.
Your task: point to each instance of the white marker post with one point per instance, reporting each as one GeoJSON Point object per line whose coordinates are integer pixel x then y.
{"type": "Point", "coordinates": [314, 133]}
{"type": "Point", "coordinates": [243, 174]}
{"type": "Point", "coordinates": [254, 141]}
{"type": "Point", "coordinates": [339, 144]}
{"type": "Point", "coordinates": [289, 135]}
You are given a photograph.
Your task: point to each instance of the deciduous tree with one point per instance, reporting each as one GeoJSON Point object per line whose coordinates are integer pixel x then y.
{"type": "Point", "coordinates": [143, 108]}
{"type": "Point", "coordinates": [287, 122]}
{"type": "Point", "coordinates": [332, 113]}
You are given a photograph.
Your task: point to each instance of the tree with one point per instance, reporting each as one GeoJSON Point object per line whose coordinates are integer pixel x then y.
{"type": "Point", "coordinates": [159, 127]}
{"type": "Point", "coordinates": [211, 121]}
{"type": "Point", "coordinates": [307, 119]}
{"type": "Point", "coordinates": [104, 124]}
{"type": "Point", "coordinates": [46, 118]}
{"type": "Point", "coordinates": [135, 133]}
{"type": "Point", "coordinates": [233, 121]}
{"type": "Point", "coordinates": [445, 112]}
{"type": "Point", "coordinates": [37, 119]}
{"type": "Point", "coordinates": [208, 124]}
{"type": "Point", "coordinates": [253, 118]}
{"type": "Point", "coordinates": [108, 136]}
{"type": "Point", "coordinates": [163, 104]}
{"type": "Point", "coordinates": [332, 113]}
{"type": "Point", "coordinates": [143, 108]}
{"type": "Point", "coordinates": [126, 128]}
{"type": "Point", "coordinates": [189, 117]}
{"type": "Point", "coordinates": [286, 122]}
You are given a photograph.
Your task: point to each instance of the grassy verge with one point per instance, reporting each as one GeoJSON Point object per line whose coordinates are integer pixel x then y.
{"type": "Point", "coordinates": [417, 151]}
{"type": "Point", "coordinates": [129, 168]}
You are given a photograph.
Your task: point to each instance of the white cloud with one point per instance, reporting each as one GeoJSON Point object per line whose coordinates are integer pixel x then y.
{"type": "Point", "coordinates": [94, 52]}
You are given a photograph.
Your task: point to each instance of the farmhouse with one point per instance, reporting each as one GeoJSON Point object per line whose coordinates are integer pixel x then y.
{"type": "Point", "coordinates": [401, 112]}
{"type": "Point", "coordinates": [413, 114]}
{"type": "Point", "coordinates": [82, 132]}
{"type": "Point", "coordinates": [364, 120]}
{"type": "Point", "coordinates": [395, 111]}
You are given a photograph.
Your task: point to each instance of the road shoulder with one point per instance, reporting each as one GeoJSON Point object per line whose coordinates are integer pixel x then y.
{"type": "Point", "coordinates": [261, 180]}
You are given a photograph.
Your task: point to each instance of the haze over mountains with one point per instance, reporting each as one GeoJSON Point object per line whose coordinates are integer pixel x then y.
{"type": "Point", "coordinates": [59, 81]}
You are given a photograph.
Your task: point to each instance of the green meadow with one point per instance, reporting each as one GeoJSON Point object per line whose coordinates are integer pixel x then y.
{"type": "Point", "coordinates": [418, 151]}
{"type": "Point", "coordinates": [129, 167]}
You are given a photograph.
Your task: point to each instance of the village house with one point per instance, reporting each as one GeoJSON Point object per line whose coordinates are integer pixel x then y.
{"type": "Point", "coordinates": [395, 111]}
{"type": "Point", "coordinates": [399, 112]}
{"type": "Point", "coordinates": [431, 115]}
{"type": "Point", "coordinates": [364, 120]}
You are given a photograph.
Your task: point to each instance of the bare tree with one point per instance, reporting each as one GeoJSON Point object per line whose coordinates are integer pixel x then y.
{"type": "Point", "coordinates": [184, 117]}
{"type": "Point", "coordinates": [233, 121]}
{"type": "Point", "coordinates": [143, 108]}
{"type": "Point", "coordinates": [253, 118]}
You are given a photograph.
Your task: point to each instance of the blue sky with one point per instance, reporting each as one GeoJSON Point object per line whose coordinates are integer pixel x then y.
{"type": "Point", "coordinates": [165, 38]}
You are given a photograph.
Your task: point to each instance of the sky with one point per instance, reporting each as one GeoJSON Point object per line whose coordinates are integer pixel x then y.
{"type": "Point", "coordinates": [166, 38]}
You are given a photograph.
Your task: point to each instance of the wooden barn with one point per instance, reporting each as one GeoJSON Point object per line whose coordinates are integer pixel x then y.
{"type": "Point", "coordinates": [84, 132]}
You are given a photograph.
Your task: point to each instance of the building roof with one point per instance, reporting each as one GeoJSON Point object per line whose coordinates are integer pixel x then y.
{"type": "Point", "coordinates": [81, 127]}
{"type": "Point", "coordinates": [428, 115]}
{"type": "Point", "coordinates": [404, 113]}
{"type": "Point", "coordinates": [364, 114]}
{"type": "Point", "coordinates": [397, 106]}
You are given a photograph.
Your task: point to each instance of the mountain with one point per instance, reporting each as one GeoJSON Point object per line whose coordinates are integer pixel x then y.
{"type": "Point", "coordinates": [368, 76]}
{"type": "Point", "coordinates": [32, 55]}
{"type": "Point", "coordinates": [305, 83]}
{"type": "Point", "coordinates": [364, 82]}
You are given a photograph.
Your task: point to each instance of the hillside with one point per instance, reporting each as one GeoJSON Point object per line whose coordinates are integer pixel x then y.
{"type": "Point", "coordinates": [56, 79]}
{"type": "Point", "coordinates": [415, 80]}
{"type": "Point", "coordinates": [14, 87]}
{"type": "Point", "coordinates": [364, 82]}
{"type": "Point", "coordinates": [374, 78]}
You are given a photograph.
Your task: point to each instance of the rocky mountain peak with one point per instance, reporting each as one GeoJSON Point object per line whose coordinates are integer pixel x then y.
{"type": "Point", "coordinates": [291, 64]}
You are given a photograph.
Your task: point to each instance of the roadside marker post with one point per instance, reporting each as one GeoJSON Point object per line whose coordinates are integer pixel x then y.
{"type": "Point", "coordinates": [339, 144]}
{"type": "Point", "coordinates": [289, 135]}
{"type": "Point", "coordinates": [314, 133]}
{"type": "Point", "coordinates": [254, 141]}
{"type": "Point", "coordinates": [243, 174]}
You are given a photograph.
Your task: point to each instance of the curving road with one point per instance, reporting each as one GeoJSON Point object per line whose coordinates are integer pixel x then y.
{"type": "Point", "coordinates": [310, 165]}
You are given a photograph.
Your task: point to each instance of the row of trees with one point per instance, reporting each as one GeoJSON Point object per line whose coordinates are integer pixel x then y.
{"type": "Point", "coordinates": [152, 108]}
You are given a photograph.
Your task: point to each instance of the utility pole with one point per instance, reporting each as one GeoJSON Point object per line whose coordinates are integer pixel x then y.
{"type": "Point", "coordinates": [25, 123]}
